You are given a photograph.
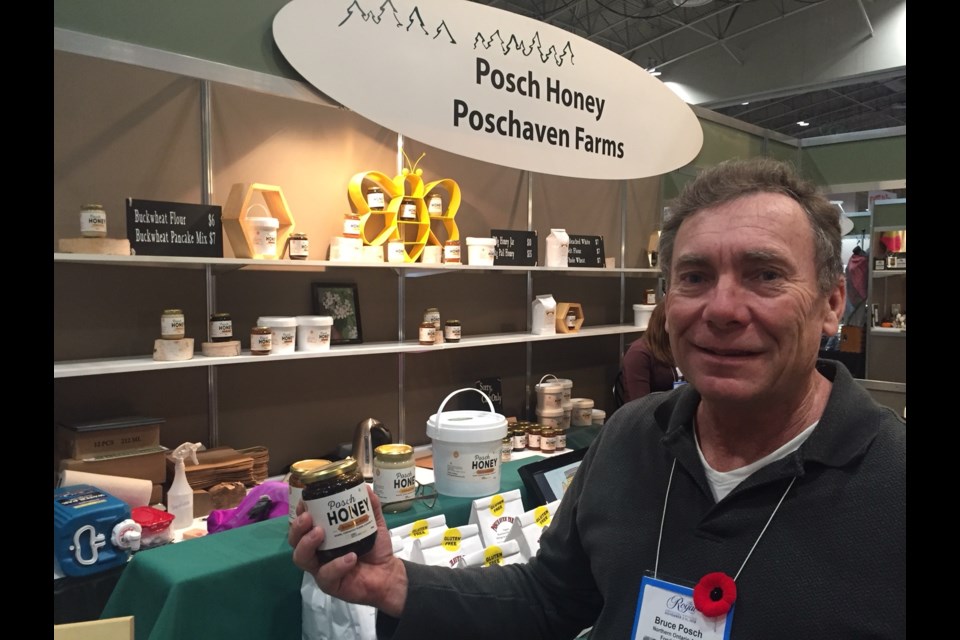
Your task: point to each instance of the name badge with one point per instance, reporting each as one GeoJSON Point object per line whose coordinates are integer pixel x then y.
{"type": "Point", "coordinates": [665, 611]}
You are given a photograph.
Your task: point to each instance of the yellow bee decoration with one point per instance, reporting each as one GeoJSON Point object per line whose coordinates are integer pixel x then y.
{"type": "Point", "coordinates": [406, 186]}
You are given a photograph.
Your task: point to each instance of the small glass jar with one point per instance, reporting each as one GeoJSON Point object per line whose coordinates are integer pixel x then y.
{"type": "Point", "coordinates": [451, 252]}
{"type": "Point", "coordinates": [297, 470]}
{"type": "Point", "coordinates": [351, 225]}
{"type": "Point", "coordinates": [299, 246]}
{"type": "Point", "coordinates": [561, 434]}
{"type": "Point", "coordinates": [533, 437]}
{"type": "Point", "coordinates": [649, 296]}
{"type": "Point", "coordinates": [172, 325]}
{"type": "Point", "coordinates": [571, 319]}
{"type": "Point", "coordinates": [435, 204]}
{"type": "Point", "coordinates": [506, 448]}
{"type": "Point", "coordinates": [336, 496]}
{"type": "Point", "coordinates": [394, 473]}
{"type": "Point", "coordinates": [519, 438]}
{"type": "Point", "coordinates": [375, 199]}
{"type": "Point", "coordinates": [221, 327]}
{"type": "Point", "coordinates": [451, 331]}
{"type": "Point", "coordinates": [93, 221]}
{"type": "Point", "coordinates": [408, 209]}
{"type": "Point", "coordinates": [428, 333]}
{"type": "Point", "coordinates": [261, 341]}
{"type": "Point", "coordinates": [548, 440]}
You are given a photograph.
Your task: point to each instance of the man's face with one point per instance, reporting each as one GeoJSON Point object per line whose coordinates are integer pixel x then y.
{"type": "Point", "coordinates": [743, 310]}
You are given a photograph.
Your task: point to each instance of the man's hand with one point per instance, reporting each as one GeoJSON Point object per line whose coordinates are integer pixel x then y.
{"type": "Point", "coordinates": [378, 578]}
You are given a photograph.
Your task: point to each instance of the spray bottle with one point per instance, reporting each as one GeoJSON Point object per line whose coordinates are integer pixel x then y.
{"type": "Point", "coordinates": [180, 495]}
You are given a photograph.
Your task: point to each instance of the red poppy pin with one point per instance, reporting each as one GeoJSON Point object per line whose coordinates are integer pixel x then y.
{"type": "Point", "coordinates": [715, 594]}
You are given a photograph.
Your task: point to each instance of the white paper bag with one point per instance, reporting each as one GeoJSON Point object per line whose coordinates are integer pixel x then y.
{"type": "Point", "coordinates": [494, 515]}
{"type": "Point", "coordinates": [324, 617]}
{"type": "Point", "coordinates": [502, 554]}
{"type": "Point", "coordinates": [528, 528]}
{"type": "Point", "coordinates": [544, 315]}
{"type": "Point", "coordinates": [445, 548]}
{"type": "Point", "coordinates": [409, 533]}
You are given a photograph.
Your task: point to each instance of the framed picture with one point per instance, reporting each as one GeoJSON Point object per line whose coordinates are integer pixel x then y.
{"type": "Point", "coordinates": [340, 301]}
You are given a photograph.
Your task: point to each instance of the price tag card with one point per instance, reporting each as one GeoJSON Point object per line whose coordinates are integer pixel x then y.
{"type": "Point", "coordinates": [585, 251]}
{"type": "Point", "coordinates": [514, 248]}
{"type": "Point", "coordinates": [158, 228]}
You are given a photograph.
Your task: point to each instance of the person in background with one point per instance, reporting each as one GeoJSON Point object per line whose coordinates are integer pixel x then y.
{"type": "Point", "coordinates": [648, 364]}
{"type": "Point", "coordinates": [766, 498]}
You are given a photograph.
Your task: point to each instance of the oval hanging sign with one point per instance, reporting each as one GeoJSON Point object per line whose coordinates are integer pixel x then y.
{"type": "Point", "coordinates": [490, 85]}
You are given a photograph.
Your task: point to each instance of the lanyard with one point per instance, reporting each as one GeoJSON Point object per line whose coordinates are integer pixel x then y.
{"type": "Point", "coordinates": [663, 517]}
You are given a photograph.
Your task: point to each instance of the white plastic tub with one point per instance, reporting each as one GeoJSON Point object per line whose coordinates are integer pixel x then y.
{"type": "Point", "coordinates": [480, 251]}
{"type": "Point", "coordinates": [264, 236]}
{"type": "Point", "coordinates": [466, 449]}
{"type": "Point", "coordinates": [313, 333]}
{"type": "Point", "coordinates": [284, 330]}
{"type": "Point", "coordinates": [641, 314]}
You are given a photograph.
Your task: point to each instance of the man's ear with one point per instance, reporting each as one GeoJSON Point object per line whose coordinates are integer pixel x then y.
{"type": "Point", "coordinates": [836, 301]}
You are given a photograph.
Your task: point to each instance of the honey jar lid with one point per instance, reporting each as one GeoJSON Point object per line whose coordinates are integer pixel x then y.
{"type": "Point", "coordinates": [299, 468]}
{"type": "Point", "coordinates": [329, 471]}
{"type": "Point", "coordinates": [393, 452]}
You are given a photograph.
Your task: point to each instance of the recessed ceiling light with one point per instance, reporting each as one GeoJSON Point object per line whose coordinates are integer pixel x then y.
{"type": "Point", "coordinates": [743, 104]}
{"type": "Point", "coordinates": [803, 123]}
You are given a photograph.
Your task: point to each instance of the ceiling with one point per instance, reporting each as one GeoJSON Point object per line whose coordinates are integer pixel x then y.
{"type": "Point", "coordinates": [748, 43]}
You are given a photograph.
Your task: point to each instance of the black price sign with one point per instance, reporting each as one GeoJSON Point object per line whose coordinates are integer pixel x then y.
{"type": "Point", "coordinates": [585, 251]}
{"type": "Point", "coordinates": [157, 228]}
{"type": "Point", "coordinates": [514, 248]}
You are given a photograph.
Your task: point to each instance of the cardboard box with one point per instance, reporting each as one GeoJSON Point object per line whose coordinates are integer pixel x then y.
{"type": "Point", "coordinates": [148, 464]}
{"type": "Point", "coordinates": [851, 339]}
{"type": "Point", "coordinates": [84, 439]}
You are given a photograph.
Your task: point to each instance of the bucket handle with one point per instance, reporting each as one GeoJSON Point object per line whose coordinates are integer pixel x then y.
{"type": "Point", "coordinates": [551, 375]}
{"type": "Point", "coordinates": [257, 205]}
{"type": "Point", "coordinates": [445, 400]}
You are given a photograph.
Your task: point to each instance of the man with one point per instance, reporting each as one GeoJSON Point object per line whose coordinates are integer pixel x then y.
{"type": "Point", "coordinates": [771, 470]}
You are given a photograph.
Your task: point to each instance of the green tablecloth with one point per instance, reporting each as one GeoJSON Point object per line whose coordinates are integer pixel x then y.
{"type": "Point", "coordinates": [242, 583]}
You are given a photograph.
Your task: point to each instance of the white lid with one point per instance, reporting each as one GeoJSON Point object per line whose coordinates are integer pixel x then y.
{"type": "Point", "coordinates": [550, 413]}
{"type": "Point", "coordinates": [314, 321]}
{"type": "Point", "coordinates": [468, 425]}
{"type": "Point", "coordinates": [566, 383]}
{"type": "Point", "coordinates": [582, 403]}
{"type": "Point", "coordinates": [549, 387]}
{"type": "Point", "coordinates": [643, 307]}
{"type": "Point", "coordinates": [482, 242]}
{"type": "Point", "coordinates": [264, 222]}
{"type": "Point", "coordinates": [277, 321]}
{"type": "Point", "coordinates": [598, 413]}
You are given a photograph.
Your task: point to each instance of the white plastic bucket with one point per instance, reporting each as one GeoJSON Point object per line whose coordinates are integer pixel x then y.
{"type": "Point", "coordinates": [313, 333]}
{"type": "Point", "coordinates": [466, 449]}
{"type": "Point", "coordinates": [549, 393]}
{"type": "Point", "coordinates": [263, 235]}
{"type": "Point", "coordinates": [582, 415]}
{"type": "Point", "coordinates": [641, 314]}
{"type": "Point", "coordinates": [550, 417]}
{"type": "Point", "coordinates": [480, 251]}
{"type": "Point", "coordinates": [598, 416]}
{"type": "Point", "coordinates": [284, 330]}
{"type": "Point", "coordinates": [567, 407]}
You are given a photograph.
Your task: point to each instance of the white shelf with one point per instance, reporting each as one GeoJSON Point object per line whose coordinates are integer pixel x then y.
{"type": "Point", "coordinates": [103, 366]}
{"type": "Point", "coordinates": [410, 270]}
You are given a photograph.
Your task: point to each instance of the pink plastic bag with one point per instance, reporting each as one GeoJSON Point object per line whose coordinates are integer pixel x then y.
{"type": "Point", "coordinates": [265, 501]}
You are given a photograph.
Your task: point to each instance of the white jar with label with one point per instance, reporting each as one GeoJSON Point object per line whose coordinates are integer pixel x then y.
{"type": "Point", "coordinates": [283, 330]}
{"type": "Point", "coordinates": [263, 232]}
{"type": "Point", "coordinates": [313, 333]}
{"type": "Point", "coordinates": [549, 417]}
{"type": "Point", "coordinates": [582, 415]}
{"type": "Point", "coordinates": [394, 477]}
{"type": "Point", "coordinates": [93, 221]}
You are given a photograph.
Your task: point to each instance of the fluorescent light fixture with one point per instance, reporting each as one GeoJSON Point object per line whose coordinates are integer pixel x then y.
{"type": "Point", "coordinates": [654, 72]}
{"type": "Point", "coordinates": [743, 104]}
{"type": "Point", "coordinates": [803, 123]}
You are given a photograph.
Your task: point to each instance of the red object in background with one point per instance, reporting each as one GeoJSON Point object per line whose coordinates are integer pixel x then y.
{"type": "Point", "coordinates": [154, 524]}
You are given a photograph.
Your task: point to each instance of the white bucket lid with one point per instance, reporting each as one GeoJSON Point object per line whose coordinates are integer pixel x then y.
{"type": "Point", "coordinates": [468, 425]}
{"type": "Point", "coordinates": [643, 307]}
{"type": "Point", "coordinates": [273, 223]}
{"type": "Point", "coordinates": [481, 242]}
{"type": "Point", "coordinates": [582, 403]}
{"type": "Point", "coordinates": [277, 321]}
{"type": "Point", "coordinates": [314, 321]}
{"type": "Point", "coordinates": [565, 383]}
{"type": "Point", "coordinates": [548, 387]}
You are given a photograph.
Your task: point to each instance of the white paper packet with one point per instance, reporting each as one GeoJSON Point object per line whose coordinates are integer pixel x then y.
{"type": "Point", "coordinates": [413, 531]}
{"type": "Point", "coordinates": [444, 548]}
{"type": "Point", "coordinates": [494, 515]}
{"type": "Point", "coordinates": [503, 554]}
{"type": "Point", "coordinates": [528, 528]}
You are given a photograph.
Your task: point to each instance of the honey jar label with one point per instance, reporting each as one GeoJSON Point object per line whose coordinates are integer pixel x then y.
{"type": "Point", "coordinates": [345, 517]}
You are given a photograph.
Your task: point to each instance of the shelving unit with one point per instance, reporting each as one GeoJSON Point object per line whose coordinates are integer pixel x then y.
{"type": "Point", "coordinates": [886, 346]}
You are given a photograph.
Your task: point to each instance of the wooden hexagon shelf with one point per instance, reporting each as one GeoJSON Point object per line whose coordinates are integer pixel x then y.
{"type": "Point", "coordinates": [238, 229]}
{"type": "Point", "coordinates": [565, 309]}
